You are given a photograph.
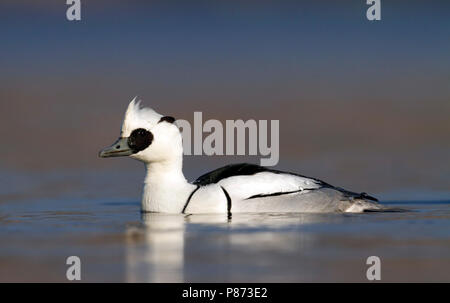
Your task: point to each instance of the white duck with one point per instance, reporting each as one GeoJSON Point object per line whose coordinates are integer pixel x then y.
{"type": "Point", "coordinates": [155, 140]}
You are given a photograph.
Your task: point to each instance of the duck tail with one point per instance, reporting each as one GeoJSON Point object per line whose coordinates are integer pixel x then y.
{"type": "Point", "coordinates": [371, 206]}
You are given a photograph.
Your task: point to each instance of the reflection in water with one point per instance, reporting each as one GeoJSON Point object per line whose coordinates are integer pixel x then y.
{"type": "Point", "coordinates": [40, 234]}
{"type": "Point", "coordinates": [154, 251]}
{"type": "Point", "coordinates": [177, 248]}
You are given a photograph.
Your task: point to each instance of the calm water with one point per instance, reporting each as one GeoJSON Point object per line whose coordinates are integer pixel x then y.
{"type": "Point", "coordinates": [43, 222]}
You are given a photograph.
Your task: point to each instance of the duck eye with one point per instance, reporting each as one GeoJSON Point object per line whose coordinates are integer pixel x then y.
{"type": "Point", "coordinates": [139, 139]}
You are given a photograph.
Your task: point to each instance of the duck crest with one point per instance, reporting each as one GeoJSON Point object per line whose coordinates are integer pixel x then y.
{"type": "Point", "coordinates": [138, 117]}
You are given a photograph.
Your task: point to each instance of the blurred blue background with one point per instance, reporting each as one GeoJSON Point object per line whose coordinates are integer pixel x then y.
{"type": "Point", "coordinates": [363, 105]}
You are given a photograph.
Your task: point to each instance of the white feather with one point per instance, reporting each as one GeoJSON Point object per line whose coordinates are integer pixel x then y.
{"type": "Point", "coordinates": [137, 117]}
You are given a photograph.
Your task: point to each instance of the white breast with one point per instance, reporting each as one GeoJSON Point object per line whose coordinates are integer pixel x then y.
{"type": "Point", "coordinates": [208, 199]}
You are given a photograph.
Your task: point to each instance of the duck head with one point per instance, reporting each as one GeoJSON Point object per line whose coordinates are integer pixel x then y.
{"type": "Point", "coordinates": [146, 136]}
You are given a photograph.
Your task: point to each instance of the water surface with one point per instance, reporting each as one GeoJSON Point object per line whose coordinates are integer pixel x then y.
{"type": "Point", "coordinates": [116, 242]}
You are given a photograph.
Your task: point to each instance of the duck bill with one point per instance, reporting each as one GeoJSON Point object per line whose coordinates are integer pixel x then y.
{"type": "Point", "coordinates": [119, 148]}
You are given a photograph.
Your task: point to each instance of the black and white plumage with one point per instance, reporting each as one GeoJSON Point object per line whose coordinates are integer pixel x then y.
{"type": "Point", "coordinates": [254, 188]}
{"type": "Point", "coordinates": [155, 140]}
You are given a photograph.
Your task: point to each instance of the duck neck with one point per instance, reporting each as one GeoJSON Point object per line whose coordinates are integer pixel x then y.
{"type": "Point", "coordinates": [165, 187]}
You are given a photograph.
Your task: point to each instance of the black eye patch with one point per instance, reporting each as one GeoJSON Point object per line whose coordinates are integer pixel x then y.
{"type": "Point", "coordinates": [167, 119]}
{"type": "Point", "coordinates": [139, 139]}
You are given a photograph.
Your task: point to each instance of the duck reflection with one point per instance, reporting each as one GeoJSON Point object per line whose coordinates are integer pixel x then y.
{"type": "Point", "coordinates": [155, 249]}
{"type": "Point", "coordinates": [213, 248]}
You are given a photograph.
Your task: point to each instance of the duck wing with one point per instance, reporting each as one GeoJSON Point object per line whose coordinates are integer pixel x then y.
{"type": "Point", "coordinates": [250, 183]}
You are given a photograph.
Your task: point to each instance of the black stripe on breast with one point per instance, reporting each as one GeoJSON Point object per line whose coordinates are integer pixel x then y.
{"type": "Point", "coordinates": [189, 199]}
{"type": "Point", "coordinates": [228, 200]}
{"type": "Point", "coordinates": [279, 193]}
